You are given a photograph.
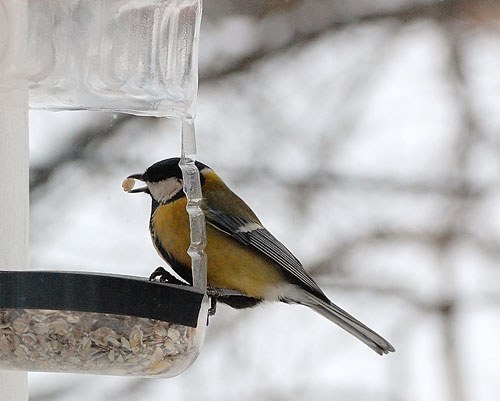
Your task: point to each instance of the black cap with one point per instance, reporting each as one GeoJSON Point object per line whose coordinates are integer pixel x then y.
{"type": "Point", "coordinates": [166, 169]}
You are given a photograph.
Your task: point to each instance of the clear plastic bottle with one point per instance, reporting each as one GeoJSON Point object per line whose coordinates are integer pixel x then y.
{"type": "Point", "coordinates": [137, 57]}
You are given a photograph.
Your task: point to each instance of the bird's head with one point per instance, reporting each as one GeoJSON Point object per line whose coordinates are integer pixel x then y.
{"type": "Point", "coordinates": [163, 180]}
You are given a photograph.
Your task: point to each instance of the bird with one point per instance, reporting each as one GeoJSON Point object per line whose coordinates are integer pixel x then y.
{"type": "Point", "coordinates": [242, 255]}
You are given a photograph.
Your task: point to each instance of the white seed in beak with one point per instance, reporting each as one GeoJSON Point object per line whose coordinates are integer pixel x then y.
{"type": "Point", "coordinates": [128, 184]}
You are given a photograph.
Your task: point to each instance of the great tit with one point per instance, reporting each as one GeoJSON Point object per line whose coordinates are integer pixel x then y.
{"type": "Point", "coordinates": [241, 254]}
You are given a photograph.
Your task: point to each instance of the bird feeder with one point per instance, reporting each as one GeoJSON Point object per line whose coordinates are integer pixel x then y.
{"type": "Point", "coordinates": [96, 323]}
{"type": "Point", "coordinates": [137, 57]}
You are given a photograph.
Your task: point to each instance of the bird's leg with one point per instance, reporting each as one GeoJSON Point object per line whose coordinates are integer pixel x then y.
{"type": "Point", "coordinates": [213, 293]}
{"type": "Point", "coordinates": [224, 293]}
{"type": "Point", "coordinates": [164, 276]}
{"type": "Point", "coordinates": [213, 306]}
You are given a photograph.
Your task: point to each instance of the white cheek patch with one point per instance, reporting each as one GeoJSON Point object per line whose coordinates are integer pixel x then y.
{"type": "Point", "coordinates": [165, 190]}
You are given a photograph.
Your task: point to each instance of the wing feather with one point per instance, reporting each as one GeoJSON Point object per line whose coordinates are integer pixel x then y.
{"type": "Point", "coordinates": [252, 233]}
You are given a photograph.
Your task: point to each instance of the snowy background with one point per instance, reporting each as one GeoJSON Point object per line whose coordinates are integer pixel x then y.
{"type": "Point", "coordinates": [366, 136]}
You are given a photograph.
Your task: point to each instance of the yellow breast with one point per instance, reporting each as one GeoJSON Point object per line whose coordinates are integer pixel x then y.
{"type": "Point", "coordinates": [230, 264]}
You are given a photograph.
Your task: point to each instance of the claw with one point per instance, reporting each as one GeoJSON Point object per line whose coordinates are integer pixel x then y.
{"type": "Point", "coordinates": [213, 293]}
{"type": "Point", "coordinates": [158, 273]}
{"type": "Point", "coordinates": [213, 306]}
{"type": "Point", "coordinates": [163, 276]}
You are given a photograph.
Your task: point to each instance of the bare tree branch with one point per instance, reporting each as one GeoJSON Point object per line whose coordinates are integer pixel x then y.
{"type": "Point", "coordinates": [87, 139]}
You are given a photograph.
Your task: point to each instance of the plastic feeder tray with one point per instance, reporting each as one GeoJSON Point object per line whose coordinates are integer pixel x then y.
{"type": "Point", "coordinates": [98, 324]}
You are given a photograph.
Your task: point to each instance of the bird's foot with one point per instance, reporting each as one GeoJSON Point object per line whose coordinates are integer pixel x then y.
{"type": "Point", "coordinates": [163, 276]}
{"type": "Point", "coordinates": [213, 293]}
{"type": "Point", "coordinates": [221, 293]}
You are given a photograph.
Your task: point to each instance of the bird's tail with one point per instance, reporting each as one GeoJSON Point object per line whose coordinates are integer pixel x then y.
{"type": "Point", "coordinates": [340, 317]}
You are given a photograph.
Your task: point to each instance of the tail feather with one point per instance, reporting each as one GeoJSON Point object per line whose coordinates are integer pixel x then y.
{"type": "Point", "coordinates": [353, 326]}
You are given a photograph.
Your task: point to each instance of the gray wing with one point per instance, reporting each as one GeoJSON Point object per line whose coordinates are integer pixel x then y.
{"type": "Point", "coordinates": [252, 233]}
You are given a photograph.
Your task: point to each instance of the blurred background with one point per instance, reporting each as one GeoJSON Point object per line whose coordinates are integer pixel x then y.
{"type": "Point", "coordinates": [366, 136]}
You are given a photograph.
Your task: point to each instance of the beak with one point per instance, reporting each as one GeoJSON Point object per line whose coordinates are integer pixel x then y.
{"type": "Point", "coordinates": [141, 189]}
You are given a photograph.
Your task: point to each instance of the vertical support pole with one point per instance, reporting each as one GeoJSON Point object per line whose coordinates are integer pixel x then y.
{"type": "Point", "coordinates": [14, 162]}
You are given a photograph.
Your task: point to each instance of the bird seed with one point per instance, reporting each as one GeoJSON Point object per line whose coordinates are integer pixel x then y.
{"type": "Point", "coordinates": [97, 343]}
